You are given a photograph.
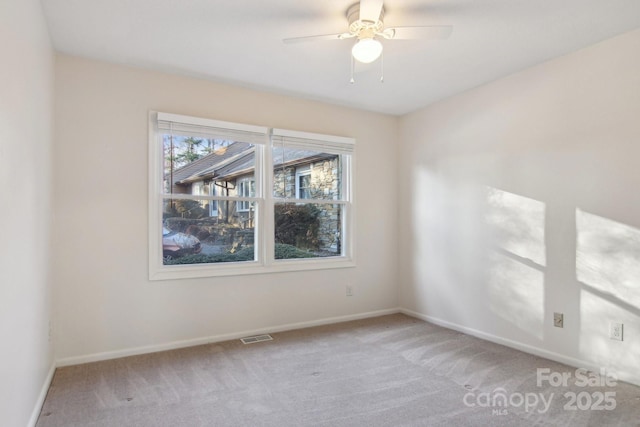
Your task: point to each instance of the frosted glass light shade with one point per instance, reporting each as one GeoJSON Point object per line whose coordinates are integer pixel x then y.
{"type": "Point", "coordinates": [366, 50]}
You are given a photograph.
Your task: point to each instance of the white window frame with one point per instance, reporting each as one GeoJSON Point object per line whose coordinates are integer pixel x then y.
{"type": "Point", "coordinates": [263, 203]}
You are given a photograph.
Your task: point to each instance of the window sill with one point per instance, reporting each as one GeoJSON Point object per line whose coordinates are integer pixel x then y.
{"type": "Point", "coordinates": [246, 268]}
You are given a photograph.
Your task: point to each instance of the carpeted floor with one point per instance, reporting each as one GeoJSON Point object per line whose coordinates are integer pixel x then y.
{"type": "Point", "coordinates": [386, 371]}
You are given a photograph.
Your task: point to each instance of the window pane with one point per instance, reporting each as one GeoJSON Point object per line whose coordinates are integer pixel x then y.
{"type": "Point", "coordinates": [202, 166]}
{"type": "Point", "coordinates": [307, 230]}
{"type": "Point", "coordinates": [192, 235]}
{"type": "Point", "coordinates": [305, 173]}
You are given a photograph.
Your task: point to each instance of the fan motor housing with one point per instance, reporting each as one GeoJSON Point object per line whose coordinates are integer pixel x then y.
{"type": "Point", "coordinates": [357, 26]}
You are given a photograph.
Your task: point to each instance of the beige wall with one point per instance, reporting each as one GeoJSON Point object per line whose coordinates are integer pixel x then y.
{"type": "Point", "coordinates": [26, 111]}
{"type": "Point", "coordinates": [106, 304]}
{"type": "Point", "coordinates": [521, 199]}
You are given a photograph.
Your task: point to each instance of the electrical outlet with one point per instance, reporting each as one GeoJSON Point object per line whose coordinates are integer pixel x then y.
{"type": "Point", "coordinates": [616, 331]}
{"type": "Point", "coordinates": [558, 320]}
{"type": "Point", "coordinates": [349, 290]}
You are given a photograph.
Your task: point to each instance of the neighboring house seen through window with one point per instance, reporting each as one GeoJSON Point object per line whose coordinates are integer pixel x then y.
{"type": "Point", "coordinates": [228, 198]}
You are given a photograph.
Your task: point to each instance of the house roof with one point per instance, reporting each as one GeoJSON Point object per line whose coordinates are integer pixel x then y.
{"type": "Point", "coordinates": [238, 159]}
{"type": "Point", "coordinates": [193, 171]}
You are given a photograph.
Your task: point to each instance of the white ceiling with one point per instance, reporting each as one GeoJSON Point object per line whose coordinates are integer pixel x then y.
{"type": "Point", "coordinates": [240, 42]}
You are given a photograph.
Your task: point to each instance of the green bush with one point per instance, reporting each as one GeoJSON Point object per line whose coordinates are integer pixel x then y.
{"type": "Point", "coordinates": [244, 254]}
{"type": "Point", "coordinates": [283, 251]}
{"type": "Point", "coordinates": [297, 225]}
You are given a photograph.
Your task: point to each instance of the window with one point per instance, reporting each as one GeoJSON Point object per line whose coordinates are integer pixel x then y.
{"type": "Point", "coordinates": [228, 198]}
{"type": "Point", "coordinates": [246, 188]}
{"type": "Point", "coordinates": [303, 182]}
{"type": "Point", "coordinates": [311, 216]}
{"type": "Point", "coordinates": [213, 203]}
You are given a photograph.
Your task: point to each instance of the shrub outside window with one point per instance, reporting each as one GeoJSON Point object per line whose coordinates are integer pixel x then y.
{"type": "Point", "coordinates": [228, 198]}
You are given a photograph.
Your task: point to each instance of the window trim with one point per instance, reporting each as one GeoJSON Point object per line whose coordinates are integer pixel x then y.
{"type": "Point", "coordinates": [264, 203]}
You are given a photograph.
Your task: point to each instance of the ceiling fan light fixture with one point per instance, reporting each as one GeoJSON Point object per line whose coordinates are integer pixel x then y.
{"type": "Point", "coordinates": [367, 50]}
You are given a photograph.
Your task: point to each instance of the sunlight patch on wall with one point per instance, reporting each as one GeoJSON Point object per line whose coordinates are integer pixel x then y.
{"type": "Point", "coordinates": [608, 257]}
{"type": "Point", "coordinates": [516, 277]}
{"type": "Point", "coordinates": [596, 313]}
{"type": "Point", "coordinates": [517, 224]}
{"type": "Point", "coordinates": [517, 294]}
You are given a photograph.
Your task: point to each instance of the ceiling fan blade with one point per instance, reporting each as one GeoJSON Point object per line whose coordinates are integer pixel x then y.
{"type": "Point", "coordinates": [432, 32]}
{"type": "Point", "coordinates": [370, 10]}
{"type": "Point", "coordinates": [294, 40]}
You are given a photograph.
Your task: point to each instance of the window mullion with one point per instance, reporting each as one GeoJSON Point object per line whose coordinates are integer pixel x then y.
{"type": "Point", "coordinates": [267, 240]}
{"type": "Point", "coordinates": [348, 220]}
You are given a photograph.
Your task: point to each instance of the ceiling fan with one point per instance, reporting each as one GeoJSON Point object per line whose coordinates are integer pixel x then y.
{"type": "Point", "coordinates": [366, 23]}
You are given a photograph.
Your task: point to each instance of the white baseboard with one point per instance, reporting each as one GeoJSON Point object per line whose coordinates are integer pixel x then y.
{"type": "Point", "coordinates": [43, 394]}
{"type": "Point", "coordinates": [557, 357]}
{"type": "Point", "coordinates": [95, 357]}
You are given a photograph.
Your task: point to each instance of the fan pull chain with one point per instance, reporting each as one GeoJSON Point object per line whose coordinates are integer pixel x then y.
{"type": "Point", "coordinates": [352, 81]}
{"type": "Point", "coordinates": [382, 68]}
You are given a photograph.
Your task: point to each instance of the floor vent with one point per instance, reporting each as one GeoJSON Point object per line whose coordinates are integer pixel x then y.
{"type": "Point", "coordinates": [257, 338]}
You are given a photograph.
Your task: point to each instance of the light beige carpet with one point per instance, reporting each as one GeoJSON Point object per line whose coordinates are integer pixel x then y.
{"type": "Point", "coordinates": [386, 371]}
